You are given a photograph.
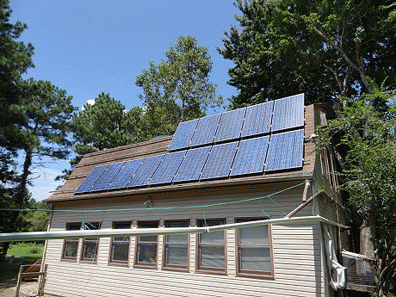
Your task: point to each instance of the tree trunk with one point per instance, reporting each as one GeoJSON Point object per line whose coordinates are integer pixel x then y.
{"type": "Point", "coordinates": [366, 243]}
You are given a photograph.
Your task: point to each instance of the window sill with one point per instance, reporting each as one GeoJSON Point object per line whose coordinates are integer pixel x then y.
{"type": "Point", "coordinates": [90, 261]}
{"type": "Point", "coordinates": [146, 265]}
{"type": "Point", "coordinates": [262, 275]}
{"type": "Point", "coordinates": [212, 271]}
{"type": "Point", "coordinates": [121, 264]}
{"type": "Point", "coordinates": [69, 259]}
{"type": "Point", "coordinates": [172, 268]}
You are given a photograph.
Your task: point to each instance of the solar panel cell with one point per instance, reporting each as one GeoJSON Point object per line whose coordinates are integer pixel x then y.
{"type": "Point", "coordinates": [250, 156]}
{"type": "Point", "coordinates": [285, 151]}
{"type": "Point", "coordinates": [168, 167]}
{"type": "Point", "coordinates": [107, 177]}
{"type": "Point", "coordinates": [183, 135]}
{"type": "Point", "coordinates": [230, 125]}
{"type": "Point", "coordinates": [205, 130]}
{"type": "Point", "coordinates": [192, 164]}
{"type": "Point", "coordinates": [127, 172]}
{"type": "Point", "coordinates": [258, 119]}
{"type": "Point", "coordinates": [288, 113]}
{"type": "Point", "coordinates": [145, 171]}
{"type": "Point", "coordinates": [219, 161]}
{"type": "Point", "coordinates": [91, 179]}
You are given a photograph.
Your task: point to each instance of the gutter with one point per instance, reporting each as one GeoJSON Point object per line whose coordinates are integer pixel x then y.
{"type": "Point", "coordinates": [184, 186]}
{"type": "Point", "coordinates": [31, 236]}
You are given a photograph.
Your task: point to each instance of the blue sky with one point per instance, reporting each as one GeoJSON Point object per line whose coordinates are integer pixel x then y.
{"type": "Point", "coordinates": [91, 46]}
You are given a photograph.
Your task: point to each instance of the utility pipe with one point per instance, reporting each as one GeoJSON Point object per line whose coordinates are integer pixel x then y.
{"type": "Point", "coordinates": [32, 236]}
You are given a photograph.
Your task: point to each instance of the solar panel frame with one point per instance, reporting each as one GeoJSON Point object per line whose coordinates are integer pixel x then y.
{"type": "Point", "coordinates": [125, 175]}
{"type": "Point", "coordinates": [192, 164]}
{"type": "Point", "coordinates": [251, 156]}
{"type": "Point", "coordinates": [258, 119]}
{"type": "Point", "coordinates": [168, 167]}
{"type": "Point", "coordinates": [183, 135]}
{"type": "Point", "coordinates": [230, 125]}
{"type": "Point", "coordinates": [285, 151]}
{"type": "Point", "coordinates": [91, 179]}
{"type": "Point", "coordinates": [205, 130]}
{"type": "Point", "coordinates": [219, 161]}
{"type": "Point", "coordinates": [107, 177]}
{"type": "Point", "coordinates": [288, 113]}
{"type": "Point", "coordinates": [145, 171]}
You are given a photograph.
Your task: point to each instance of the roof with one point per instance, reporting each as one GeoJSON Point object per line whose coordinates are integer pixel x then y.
{"type": "Point", "coordinates": [204, 153]}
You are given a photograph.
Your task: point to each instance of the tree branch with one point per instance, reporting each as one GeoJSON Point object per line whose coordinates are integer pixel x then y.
{"type": "Point", "coordinates": [346, 58]}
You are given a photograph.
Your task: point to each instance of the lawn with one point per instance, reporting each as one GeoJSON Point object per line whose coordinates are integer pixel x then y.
{"type": "Point", "coordinates": [20, 254]}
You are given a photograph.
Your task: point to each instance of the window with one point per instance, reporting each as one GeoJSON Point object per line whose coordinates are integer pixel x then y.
{"type": "Point", "coordinates": [70, 246]}
{"type": "Point", "coordinates": [176, 247]}
{"type": "Point", "coordinates": [211, 248]}
{"type": "Point", "coordinates": [146, 251]}
{"type": "Point", "coordinates": [119, 248]}
{"type": "Point", "coordinates": [90, 245]}
{"type": "Point", "coordinates": [254, 250]}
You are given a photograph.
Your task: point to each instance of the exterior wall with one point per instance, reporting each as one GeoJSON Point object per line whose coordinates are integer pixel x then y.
{"type": "Point", "coordinates": [297, 252]}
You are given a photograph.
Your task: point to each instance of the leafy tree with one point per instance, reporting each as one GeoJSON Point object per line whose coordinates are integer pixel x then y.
{"type": "Point", "coordinates": [103, 125]}
{"type": "Point", "coordinates": [44, 112]}
{"type": "Point", "coordinates": [369, 134]}
{"type": "Point", "coordinates": [321, 48]}
{"type": "Point", "coordinates": [179, 87]}
{"type": "Point", "coordinates": [15, 59]}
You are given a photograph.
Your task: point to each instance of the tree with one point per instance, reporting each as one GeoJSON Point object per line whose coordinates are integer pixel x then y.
{"type": "Point", "coordinates": [369, 134]}
{"type": "Point", "coordinates": [15, 59]}
{"type": "Point", "coordinates": [44, 112]}
{"type": "Point", "coordinates": [103, 125]}
{"type": "Point", "coordinates": [179, 86]}
{"type": "Point", "coordinates": [321, 48]}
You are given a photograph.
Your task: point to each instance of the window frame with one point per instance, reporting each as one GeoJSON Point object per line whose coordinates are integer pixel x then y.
{"type": "Point", "coordinates": [90, 240]}
{"type": "Point", "coordinates": [120, 262]}
{"type": "Point", "coordinates": [254, 273]}
{"type": "Point", "coordinates": [138, 245]}
{"type": "Point", "coordinates": [165, 266]}
{"type": "Point", "coordinates": [65, 241]}
{"type": "Point", "coordinates": [214, 270]}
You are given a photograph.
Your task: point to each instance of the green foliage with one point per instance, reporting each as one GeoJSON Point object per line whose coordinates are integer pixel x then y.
{"type": "Point", "coordinates": [178, 89]}
{"type": "Point", "coordinates": [103, 125]}
{"type": "Point", "coordinates": [367, 129]}
{"type": "Point", "coordinates": [26, 249]}
{"type": "Point", "coordinates": [34, 118]}
{"type": "Point", "coordinates": [21, 253]}
{"type": "Point", "coordinates": [320, 48]}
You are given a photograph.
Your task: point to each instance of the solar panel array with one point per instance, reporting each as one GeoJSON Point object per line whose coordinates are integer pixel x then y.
{"type": "Point", "coordinates": [282, 114]}
{"type": "Point", "coordinates": [255, 140]}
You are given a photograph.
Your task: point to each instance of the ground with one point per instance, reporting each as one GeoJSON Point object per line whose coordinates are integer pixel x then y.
{"type": "Point", "coordinates": [28, 288]}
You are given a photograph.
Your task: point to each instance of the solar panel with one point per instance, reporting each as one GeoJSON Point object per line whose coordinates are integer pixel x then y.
{"type": "Point", "coordinates": [258, 119]}
{"type": "Point", "coordinates": [192, 164]}
{"type": "Point", "coordinates": [220, 161]}
{"type": "Point", "coordinates": [288, 113]}
{"type": "Point", "coordinates": [126, 174]}
{"type": "Point", "coordinates": [168, 167]}
{"type": "Point", "coordinates": [107, 177]}
{"type": "Point", "coordinates": [285, 151]}
{"type": "Point", "coordinates": [91, 179]}
{"type": "Point", "coordinates": [183, 135]}
{"type": "Point", "coordinates": [250, 157]}
{"type": "Point", "coordinates": [205, 130]}
{"type": "Point", "coordinates": [230, 125]}
{"type": "Point", "coordinates": [145, 171]}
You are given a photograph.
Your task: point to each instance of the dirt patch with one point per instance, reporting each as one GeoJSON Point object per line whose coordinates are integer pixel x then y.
{"type": "Point", "coordinates": [28, 288]}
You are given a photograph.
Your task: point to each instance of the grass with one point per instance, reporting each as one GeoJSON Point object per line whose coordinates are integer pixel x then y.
{"type": "Point", "coordinates": [20, 254]}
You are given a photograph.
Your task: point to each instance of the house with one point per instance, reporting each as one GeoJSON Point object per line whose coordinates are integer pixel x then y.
{"type": "Point", "coordinates": [256, 202]}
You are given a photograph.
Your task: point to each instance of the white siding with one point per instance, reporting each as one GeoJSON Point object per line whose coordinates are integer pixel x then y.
{"type": "Point", "coordinates": [296, 252]}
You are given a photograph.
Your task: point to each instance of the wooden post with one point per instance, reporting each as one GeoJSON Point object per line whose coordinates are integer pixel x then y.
{"type": "Point", "coordinates": [18, 286]}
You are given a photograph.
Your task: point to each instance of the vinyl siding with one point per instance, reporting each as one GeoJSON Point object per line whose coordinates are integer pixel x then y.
{"type": "Point", "coordinates": [296, 249]}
